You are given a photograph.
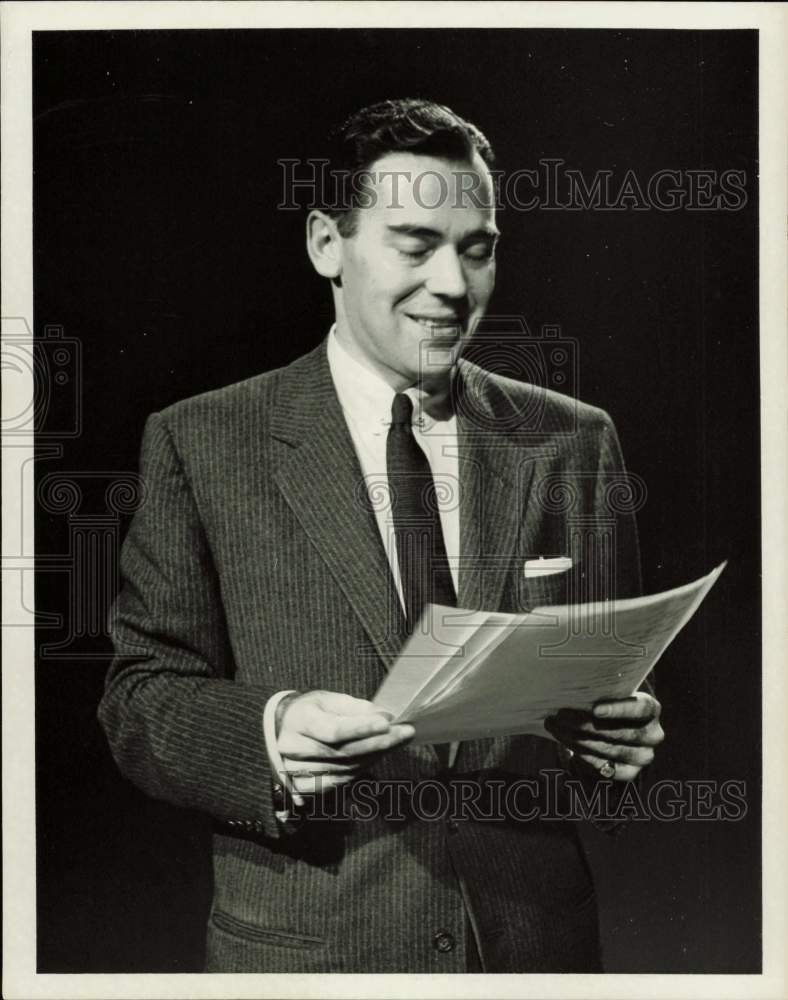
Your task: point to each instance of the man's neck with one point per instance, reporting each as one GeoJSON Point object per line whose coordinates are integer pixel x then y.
{"type": "Point", "coordinates": [433, 393]}
{"type": "Point", "coordinates": [436, 399]}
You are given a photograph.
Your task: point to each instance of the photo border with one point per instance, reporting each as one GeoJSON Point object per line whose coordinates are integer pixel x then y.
{"type": "Point", "coordinates": [18, 20]}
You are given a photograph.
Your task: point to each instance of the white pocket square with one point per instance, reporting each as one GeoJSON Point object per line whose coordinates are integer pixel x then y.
{"type": "Point", "coordinates": [544, 567]}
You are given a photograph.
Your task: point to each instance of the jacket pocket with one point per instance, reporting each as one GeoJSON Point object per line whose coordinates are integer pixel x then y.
{"type": "Point", "coordinates": [266, 935]}
{"type": "Point", "coordinates": [543, 591]}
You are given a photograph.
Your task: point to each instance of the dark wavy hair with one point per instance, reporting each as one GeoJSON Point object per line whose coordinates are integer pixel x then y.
{"type": "Point", "coordinates": [408, 125]}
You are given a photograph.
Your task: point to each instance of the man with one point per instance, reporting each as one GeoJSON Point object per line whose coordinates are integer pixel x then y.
{"type": "Point", "coordinates": [268, 587]}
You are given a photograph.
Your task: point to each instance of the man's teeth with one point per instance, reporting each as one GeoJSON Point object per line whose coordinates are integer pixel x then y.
{"type": "Point", "coordinates": [435, 324]}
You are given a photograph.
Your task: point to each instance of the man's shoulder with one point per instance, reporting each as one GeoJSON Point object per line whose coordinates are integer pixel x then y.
{"type": "Point", "coordinates": [227, 399]}
{"type": "Point", "coordinates": [525, 407]}
{"type": "Point", "coordinates": [237, 404]}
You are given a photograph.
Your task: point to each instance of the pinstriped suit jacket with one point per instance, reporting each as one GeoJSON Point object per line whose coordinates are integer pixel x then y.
{"type": "Point", "coordinates": [256, 565]}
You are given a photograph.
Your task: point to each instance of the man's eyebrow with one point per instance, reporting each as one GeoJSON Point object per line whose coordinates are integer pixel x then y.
{"type": "Point", "coordinates": [424, 232]}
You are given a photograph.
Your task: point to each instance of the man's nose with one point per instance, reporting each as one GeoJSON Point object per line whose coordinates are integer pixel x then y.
{"type": "Point", "coordinates": [446, 277]}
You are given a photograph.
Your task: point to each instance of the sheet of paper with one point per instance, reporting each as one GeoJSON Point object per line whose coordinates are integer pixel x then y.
{"type": "Point", "coordinates": [472, 650]}
{"type": "Point", "coordinates": [497, 674]}
{"type": "Point", "coordinates": [427, 651]}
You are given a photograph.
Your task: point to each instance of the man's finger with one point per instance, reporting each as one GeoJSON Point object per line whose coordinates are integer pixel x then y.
{"type": "Point", "coordinates": [300, 747]}
{"type": "Point", "coordinates": [332, 717]}
{"type": "Point", "coordinates": [639, 706]}
{"type": "Point", "coordinates": [399, 733]}
{"type": "Point", "coordinates": [310, 768]}
{"type": "Point", "coordinates": [623, 772]}
{"type": "Point", "coordinates": [317, 784]}
{"type": "Point", "coordinates": [338, 703]}
{"type": "Point", "coordinates": [325, 727]}
{"type": "Point", "coordinates": [651, 734]}
{"type": "Point", "coordinates": [619, 752]}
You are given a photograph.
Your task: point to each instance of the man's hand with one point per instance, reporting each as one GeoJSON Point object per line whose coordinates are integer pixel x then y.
{"type": "Point", "coordinates": [326, 738]}
{"type": "Point", "coordinates": [617, 738]}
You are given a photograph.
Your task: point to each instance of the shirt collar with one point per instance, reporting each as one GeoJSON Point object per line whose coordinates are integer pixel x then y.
{"type": "Point", "coordinates": [363, 394]}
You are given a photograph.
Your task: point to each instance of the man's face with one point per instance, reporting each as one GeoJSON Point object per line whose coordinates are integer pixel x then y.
{"type": "Point", "coordinates": [419, 270]}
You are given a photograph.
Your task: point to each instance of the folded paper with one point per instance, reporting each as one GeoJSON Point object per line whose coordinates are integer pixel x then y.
{"type": "Point", "coordinates": [468, 674]}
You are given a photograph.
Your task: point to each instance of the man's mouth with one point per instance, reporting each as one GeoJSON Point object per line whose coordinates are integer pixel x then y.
{"type": "Point", "coordinates": [439, 324]}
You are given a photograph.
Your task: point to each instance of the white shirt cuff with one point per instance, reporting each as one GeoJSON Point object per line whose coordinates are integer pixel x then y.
{"type": "Point", "coordinates": [272, 749]}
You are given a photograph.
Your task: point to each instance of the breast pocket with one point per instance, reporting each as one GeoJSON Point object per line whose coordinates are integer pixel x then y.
{"type": "Point", "coordinates": [539, 591]}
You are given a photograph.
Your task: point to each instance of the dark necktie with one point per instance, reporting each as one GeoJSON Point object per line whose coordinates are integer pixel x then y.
{"type": "Point", "coordinates": [421, 551]}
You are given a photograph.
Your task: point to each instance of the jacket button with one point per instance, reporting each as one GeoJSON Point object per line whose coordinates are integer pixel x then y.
{"type": "Point", "coordinates": [443, 941]}
{"type": "Point", "coordinates": [452, 825]}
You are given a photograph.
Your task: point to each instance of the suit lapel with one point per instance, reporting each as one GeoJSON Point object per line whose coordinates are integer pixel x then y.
{"type": "Point", "coordinates": [496, 474]}
{"type": "Point", "coordinates": [322, 481]}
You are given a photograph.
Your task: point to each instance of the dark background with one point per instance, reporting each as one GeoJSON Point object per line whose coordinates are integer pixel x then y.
{"type": "Point", "coordinates": [158, 247]}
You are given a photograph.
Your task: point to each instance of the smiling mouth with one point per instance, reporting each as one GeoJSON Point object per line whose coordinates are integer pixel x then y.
{"type": "Point", "coordinates": [439, 324]}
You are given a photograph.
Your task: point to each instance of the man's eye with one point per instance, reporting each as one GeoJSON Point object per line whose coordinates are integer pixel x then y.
{"type": "Point", "coordinates": [480, 251]}
{"type": "Point", "coordinates": [414, 254]}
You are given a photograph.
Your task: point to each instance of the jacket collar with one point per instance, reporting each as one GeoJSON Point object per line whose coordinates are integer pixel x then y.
{"type": "Point", "coordinates": [306, 389]}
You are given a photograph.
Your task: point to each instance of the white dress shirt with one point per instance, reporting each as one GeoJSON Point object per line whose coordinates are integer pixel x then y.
{"type": "Point", "coordinates": [366, 399]}
{"type": "Point", "coordinates": [366, 403]}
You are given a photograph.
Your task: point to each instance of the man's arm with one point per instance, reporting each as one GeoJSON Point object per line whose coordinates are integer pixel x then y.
{"type": "Point", "coordinates": [178, 723]}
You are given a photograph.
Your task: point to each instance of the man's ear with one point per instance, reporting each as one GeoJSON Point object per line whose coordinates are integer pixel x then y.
{"type": "Point", "coordinates": [324, 244]}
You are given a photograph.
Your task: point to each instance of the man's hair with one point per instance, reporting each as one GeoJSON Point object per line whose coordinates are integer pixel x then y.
{"type": "Point", "coordinates": [406, 125]}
